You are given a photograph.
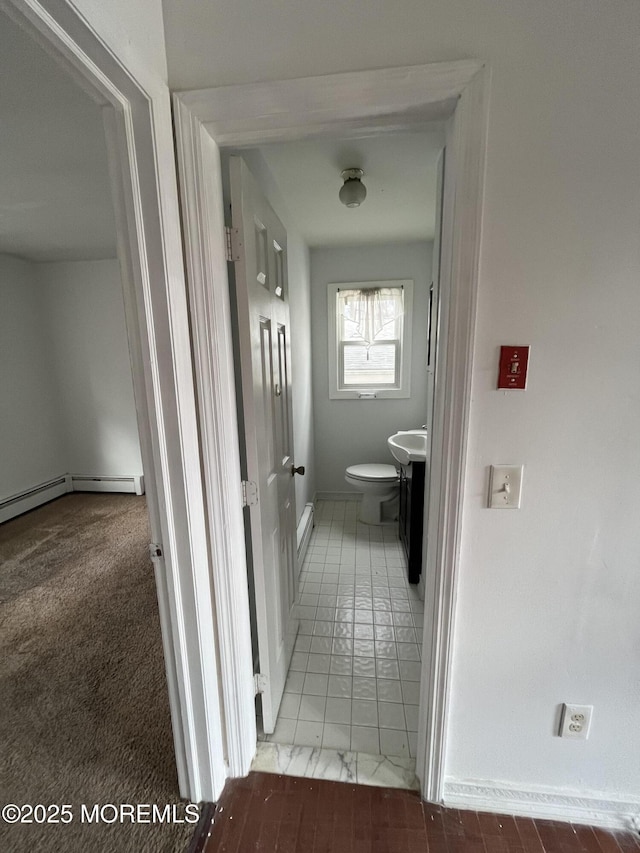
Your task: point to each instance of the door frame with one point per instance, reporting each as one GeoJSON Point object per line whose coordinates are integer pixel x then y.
{"type": "Point", "coordinates": [137, 119]}
{"type": "Point", "coordinates": [365, 102]}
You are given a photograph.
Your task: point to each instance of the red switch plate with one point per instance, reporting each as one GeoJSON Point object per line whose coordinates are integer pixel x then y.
{"type": "Point", "coordinates": [513, 367]}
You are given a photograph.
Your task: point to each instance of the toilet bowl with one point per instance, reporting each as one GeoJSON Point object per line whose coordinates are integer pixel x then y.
{"type": "Point", "coordinates": [379, 487]}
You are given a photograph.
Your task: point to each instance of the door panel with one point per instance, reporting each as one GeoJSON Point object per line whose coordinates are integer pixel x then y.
{"type": "Point", "coordinates": [265, 353]}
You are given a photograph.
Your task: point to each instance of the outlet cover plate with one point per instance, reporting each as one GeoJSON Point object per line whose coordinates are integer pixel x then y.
{"type": "Point", "coordinates": [505, 486]}
{"type": "Point", "coordinates": [576, 721]}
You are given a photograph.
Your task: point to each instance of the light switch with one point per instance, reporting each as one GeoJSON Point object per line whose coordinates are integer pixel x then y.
{"type": "Point", "coordinates": [505, 486]}
{"type": "Point", "coordinates": [513, 367]}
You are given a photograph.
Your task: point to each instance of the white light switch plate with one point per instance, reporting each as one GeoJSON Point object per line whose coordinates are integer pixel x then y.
{"type": "Point", "coordinates": [505, 486]}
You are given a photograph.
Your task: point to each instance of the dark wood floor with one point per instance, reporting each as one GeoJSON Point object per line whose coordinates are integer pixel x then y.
{"type": "Point", "coordinates": [282, 814]}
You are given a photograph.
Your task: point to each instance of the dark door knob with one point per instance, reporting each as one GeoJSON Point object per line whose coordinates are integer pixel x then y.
{"type": "Point", "coordinates": [299, 470]}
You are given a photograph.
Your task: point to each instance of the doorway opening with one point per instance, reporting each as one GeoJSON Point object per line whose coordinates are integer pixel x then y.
{"type": "Point", "coordinates": [337, 640]}
{"type": "Point", "coordinates": [84, 700]}
{"type": "Point", "coordinates": [358, 103]}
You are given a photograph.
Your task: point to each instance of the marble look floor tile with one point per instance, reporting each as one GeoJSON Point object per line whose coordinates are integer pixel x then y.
{"type": "Point", "coordinates": [314, 763]}
{"type": "Point", "coordinates": [388, 772]}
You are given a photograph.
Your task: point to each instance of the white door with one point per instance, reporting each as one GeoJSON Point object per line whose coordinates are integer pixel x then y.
{"type": "Point", "coordinates": [265, 360]}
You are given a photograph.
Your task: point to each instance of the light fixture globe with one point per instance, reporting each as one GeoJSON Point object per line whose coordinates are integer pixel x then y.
{"type": "Point", "coordinates": [353, 192]}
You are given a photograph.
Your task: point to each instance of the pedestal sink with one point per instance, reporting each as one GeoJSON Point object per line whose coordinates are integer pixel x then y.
{"type": "Point", "coordinates": [408, 446]}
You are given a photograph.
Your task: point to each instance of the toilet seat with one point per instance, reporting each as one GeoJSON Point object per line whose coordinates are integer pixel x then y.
{"type": "Point", "coordinates": [373, 472]}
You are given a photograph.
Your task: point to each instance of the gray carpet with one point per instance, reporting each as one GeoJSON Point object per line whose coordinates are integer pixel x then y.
{"type": "Point", "coordinates": [84, 714]}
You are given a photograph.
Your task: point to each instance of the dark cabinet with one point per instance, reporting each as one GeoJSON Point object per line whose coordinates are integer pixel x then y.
{"type": "Point", "coordinates": [411, 515]}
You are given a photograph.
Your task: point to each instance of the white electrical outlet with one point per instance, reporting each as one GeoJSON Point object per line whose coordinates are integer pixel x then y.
{"type": "Point", "coordinates": [576, 721]}
{"type": "Point", "coordinates": [505, 486]}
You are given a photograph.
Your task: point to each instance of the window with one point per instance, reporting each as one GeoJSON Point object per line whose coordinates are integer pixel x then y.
{"type": "Point", "coordinates": [369, 339]}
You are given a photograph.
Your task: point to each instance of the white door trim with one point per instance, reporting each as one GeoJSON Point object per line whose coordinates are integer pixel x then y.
{"type": "Point", "coordinates": [138, 127]}
{"type": "Point", "coordinates": [366, 102]}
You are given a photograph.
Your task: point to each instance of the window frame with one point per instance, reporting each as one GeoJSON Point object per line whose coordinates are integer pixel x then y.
{"type": "Point", "coordinates": [335, 345]}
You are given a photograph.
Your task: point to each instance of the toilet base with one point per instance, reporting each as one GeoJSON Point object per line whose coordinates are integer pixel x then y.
{"type": "Point", "coordinates": [379, 509]}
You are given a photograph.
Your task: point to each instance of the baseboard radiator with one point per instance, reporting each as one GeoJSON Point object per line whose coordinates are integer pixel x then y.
{"type": "Point", "coordinates": [42, 493]}
{"type": "Point", "coordinates": [305, 528]}
{"type": "Point", "coordinates": [33, 497]}
{"type": "Point", "coordinates": [89, 483]}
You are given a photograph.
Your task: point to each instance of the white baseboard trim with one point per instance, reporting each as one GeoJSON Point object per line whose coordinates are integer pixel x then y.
{"type": "Point", "coordinates": [100, 483]}
{"type": "Point", "coordinates": [338, 496]}
{"type": "Point", "coordinates": [33, 497]}
{"type": "Point", "coordinates": [305, 528]}
{"type": "Point", "coordinates": [544, 803]}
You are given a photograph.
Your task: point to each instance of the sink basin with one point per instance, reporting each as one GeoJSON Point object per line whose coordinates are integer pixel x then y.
{"type": "Point", "coordinates": [408, 446]}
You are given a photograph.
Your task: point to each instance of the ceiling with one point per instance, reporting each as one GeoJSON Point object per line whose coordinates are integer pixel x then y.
{"type": "Point", "coordinates": [400, 177]}
{"type": "Point", "coordinates": [55, 196]}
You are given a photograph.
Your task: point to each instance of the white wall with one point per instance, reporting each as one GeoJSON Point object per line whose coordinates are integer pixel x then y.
{"type": "Point", "coordinates": [65, 376]}
{"type": "Point", "coordinates": [31, 445]}
{"type": "Point", "coordinates": [349, 432]}
{"type": "Point", "coordinates": [548, 602]}
{"type": "Point", "coordinates": [298, 266]}
{"type": "Point", "coordinates": [86, 325]}
{"type": "Point", "coordinates": [133, 31]}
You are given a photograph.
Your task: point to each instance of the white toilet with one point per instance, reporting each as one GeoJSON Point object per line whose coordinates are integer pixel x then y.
{"type": "Point", "coordinates": [379, 485]}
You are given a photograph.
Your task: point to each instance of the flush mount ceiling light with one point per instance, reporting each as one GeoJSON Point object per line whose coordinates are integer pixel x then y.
{"type": "Point", "coordinates": [353, 192]}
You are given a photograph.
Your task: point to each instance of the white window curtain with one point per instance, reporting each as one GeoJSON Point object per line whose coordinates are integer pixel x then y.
{"type": "Point", "coordinates": [370, 315]}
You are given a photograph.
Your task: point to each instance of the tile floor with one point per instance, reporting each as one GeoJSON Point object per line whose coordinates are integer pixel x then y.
{"type": "Point", "coordinates": [354, 678]}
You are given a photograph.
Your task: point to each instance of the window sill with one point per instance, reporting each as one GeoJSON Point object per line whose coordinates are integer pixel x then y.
{"type": "Point", "coordinates": [368, 394]}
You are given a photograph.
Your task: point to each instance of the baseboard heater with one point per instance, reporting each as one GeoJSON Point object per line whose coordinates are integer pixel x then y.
{"type": "Point", "coordinates": [88, 483]}
{"type": "Point", "coordinates": [50, 490]}
{"type": "Point", "coordinates": [33, 497]}
{"type": "Point", "coordinates": [305, 528]}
